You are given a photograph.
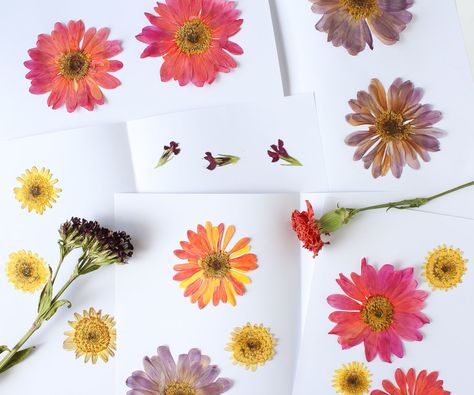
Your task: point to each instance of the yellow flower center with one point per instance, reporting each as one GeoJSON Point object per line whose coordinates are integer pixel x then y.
{"type": "Point", "coordinates": [193, 37]}
{"type": "Point", "coordinates": [179, 388]}
{"type": "Point", "coordinates": [444, 268]}
{"type": "Point", "coordinates": [92, 335]}
{"type": "Point", "coordinates": [377, 313]}
{"type": "Point", "coordinates": [360, 9]}
{"type": "Point", "coordinates": [352, 379]}
{"type": "Point", "coordinates": [253, 345]}
{"type": "Point", "coordinates": [392, 126]}
{"type": "Point", "coordinates": [216, 264]}
{"type": "Point", "coordinates": [74, 65]}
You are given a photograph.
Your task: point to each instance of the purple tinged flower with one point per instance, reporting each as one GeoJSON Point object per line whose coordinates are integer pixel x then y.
{"type": "Point", "coordinates": [279, 152]}
{"type": "Point", "coordinates": [169, 152]}
{"type": "Point", "coordinates": [220, 160]}
{"type": "Point", "coordinates": [191, 375]}
{"type": "Point", "coordinates": [350, 23]}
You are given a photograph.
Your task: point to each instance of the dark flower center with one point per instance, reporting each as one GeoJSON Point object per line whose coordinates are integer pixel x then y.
{"type": "Point", "coordinates": [216, 264]}
{"type": "Point", "coordinates": [92, 335]}
{"type": "Point", "coordinates": [35, 191]}
{"type": "Point", "coordinates": [377, 313]}
{"type": "Point", "coordinates": [193, 37]}
{"type": "Point", "coordinates": [179, 388]}
{"type": "Point", "coordinates": [254, 344]}
{"type": "Point", "coordinates": [444, 269]}
{"type": "Point", "coordinates": [352, 379]}
{"type": "Point", "coordinates": [74, 65]}
{"type": "Point", "coordinates": [392, 126]}
{"type": "Point", "coordinates": [26, 270]}
{"type": "Point", "coordinates": [360, 9]}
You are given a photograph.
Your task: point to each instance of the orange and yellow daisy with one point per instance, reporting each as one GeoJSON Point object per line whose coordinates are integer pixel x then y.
{"type": "Point", "coordinates": [212, 271]}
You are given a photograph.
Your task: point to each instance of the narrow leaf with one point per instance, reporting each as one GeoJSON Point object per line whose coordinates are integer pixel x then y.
{"type": "Point", "coordinates": [54, 308]}
{"type": "Point", "coordinates": [46, 295]}
{"type": "Point", "coordinates": [18, 357]}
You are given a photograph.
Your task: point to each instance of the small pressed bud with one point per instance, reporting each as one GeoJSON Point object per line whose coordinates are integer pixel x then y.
{"type": "Point", "coordinates": [333, 220]}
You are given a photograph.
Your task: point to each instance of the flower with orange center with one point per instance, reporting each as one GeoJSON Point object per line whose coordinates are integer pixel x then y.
{"type": "Point", "coordinates": [73, 64]}
{"type": "Point", "coordinates": [411, 384]}
{"type": "Point", "coordinates": [400, 128]}
{"type": "Point", "coordinates": [212, 271]}
{"type": "Point", "coordinates": [193, 39]}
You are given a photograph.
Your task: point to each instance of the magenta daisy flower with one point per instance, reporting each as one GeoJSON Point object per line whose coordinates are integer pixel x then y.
{"type": "Point", "coordinates": [379, 308]}
{"type": "Point", "coordinates": [350, 23]}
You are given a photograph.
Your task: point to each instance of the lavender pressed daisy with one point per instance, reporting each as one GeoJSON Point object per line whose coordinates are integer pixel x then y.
{"type": "Point", "coordinates": [191, 375]}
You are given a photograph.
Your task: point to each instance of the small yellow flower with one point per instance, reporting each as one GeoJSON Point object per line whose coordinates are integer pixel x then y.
{"type": "Point", "coordinates": [27, 271]}
{"type": "Point", "coordinates": [37, 191]}
{"type": "Point", "coordinates": [251, 346]}
{"type": "Point", "coordinates": [444, 267]}
{"type": "Point", "coordinates": [352, 379]}
{"type": "Point", "coordinates": [92, 336]}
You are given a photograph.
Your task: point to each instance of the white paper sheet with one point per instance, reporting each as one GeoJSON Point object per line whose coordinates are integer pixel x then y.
{"type": "Point", "coordinates": [141, 93]}
{"type": "Point", "coordinates": [402, 238]}
{"type": "Point", "coordinates": [89, 173]}
{"type": "Point", "coordinates": [245, 130]}
{"type": "Point", "coordinates": [154, 312]}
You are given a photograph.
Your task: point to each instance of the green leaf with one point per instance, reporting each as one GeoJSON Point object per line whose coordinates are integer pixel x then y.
{"type": "Point", "coordinates": [46, 295]}
{"type": "Point", "coordinates": [55, 306]}
{"type": "Point", "coordinates": [4, 348]}
{"type": "Point", "coordinates": [18, 357]}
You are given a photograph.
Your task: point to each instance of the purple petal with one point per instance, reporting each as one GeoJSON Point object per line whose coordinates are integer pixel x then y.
{"type": "Point", "coordinates": [358, 137]}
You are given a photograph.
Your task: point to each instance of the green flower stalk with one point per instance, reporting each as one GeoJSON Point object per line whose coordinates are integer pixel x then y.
{"type": "Point", "coordinates": [309, 229]}
{"type": "Point", "coordinates": [100, 247]}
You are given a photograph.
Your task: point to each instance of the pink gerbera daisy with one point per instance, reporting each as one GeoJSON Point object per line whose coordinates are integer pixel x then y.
{"type": "Point", "coordinates": [381, 308]}
{"type": "Point", "coordinates": [73, 64]}
{"type": "Point", "coordinates": [192, 36]}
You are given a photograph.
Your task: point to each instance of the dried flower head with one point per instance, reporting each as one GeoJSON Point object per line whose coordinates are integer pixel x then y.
{"type": "Point", "coordinates": [37, 191]}
{"type": "Point", "coordinates": [278, 151]}
{"type": "Point", "coordinates": [352, 379]}
{"type": "Point", "coordinates": [444, 268]}
{"type": "Point", "coordinates": [169, 152]}
{"type": "Point", "coordinates": [251, 346]}
{"type": "Point", "coordinates": [93, 336]}
{"type": "Point", "coordinates": [27, 271]}
{"type": "Point", "coordinates": [220, 160]}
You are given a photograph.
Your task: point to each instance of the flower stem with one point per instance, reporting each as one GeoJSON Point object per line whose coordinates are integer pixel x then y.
{"type": "Point", "coordinates": [411, 203]}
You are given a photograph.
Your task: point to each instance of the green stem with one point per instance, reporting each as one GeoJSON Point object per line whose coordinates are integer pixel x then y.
{"type": "Point", "coordinates": [61, 260]}
{"type": "Point", "coordinates": [411, 203]}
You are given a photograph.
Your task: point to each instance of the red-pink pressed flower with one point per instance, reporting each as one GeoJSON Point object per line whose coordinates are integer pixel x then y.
{"type": "Point", "coordinates": [350, 22]}
{"type": "Point", "coordinates": [380, 308]}
{"type": "Point", "coordinates": [192, 36]}
{"type": "Point", "coordinates": [73, 64]}
{"type": "Point", "coordinates": [411, 384]}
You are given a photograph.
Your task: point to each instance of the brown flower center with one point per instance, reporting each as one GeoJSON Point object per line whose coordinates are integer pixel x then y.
{"type": "Point", "coordinates": [392, 126]}
{"type": "Point", "coordinates": [25, 270]}
{"type": "Point", "coordinates": [74, 65]}
{"type": "Point", "coordinates": [216, 264]}
{"type": "Point", "coordinates": [377, 313]}
{"type": "Point", "coordinates": [92, 335]}
{"type": "Point", "coordinates": [444, 269]}
{"type": "Point", "coordinates": [193, 37]}
{"type": "Point", "coordinates": [179, 388]}
{"type": "Point", "coordinates": [35, 191]}
{"type": "Point", "coordinates": [360, 9]}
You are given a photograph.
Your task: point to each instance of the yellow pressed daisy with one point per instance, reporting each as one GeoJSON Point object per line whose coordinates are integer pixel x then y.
{"type": "Point", "coordinates": [37, 191]}
{"type": "Point", "coordinates": [352, 379]}
{"type": "Point", "coordinates": [444, 267]}
{"type": "Point", "coordinates": [27, 271]}
{"type": "Point", "coordinates": [251, 346]}
{"type": "Point", "coordinates": [92, 336]}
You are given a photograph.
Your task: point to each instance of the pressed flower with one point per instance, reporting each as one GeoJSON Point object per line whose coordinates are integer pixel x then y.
{"type": "Point", "coordinates": [350, 23]}
{"type": "Point", "coordinates": [169, 152]}
{"type": "Point", "coordinates": [444, 267]}
{"type": "Point", "coordinates": [251, 346]}
{"type": "Point", "coordinates": [193, 374]}
{"type": "Point", "coordinates": [380, 308]}
{"type": "Point", "coordinates": [411, 384]}
{"type": "Point", "coordinates": [37, 191]}
{"type": "Point", "coordinates": [400, 128]}
{"type": "Point", "coordinates": [93, 336]}
{"type": "Point", "coordinates": [352, 379]}
{"type": "Point", "coordinates": [27, 271]}
{"type": "Point", "coordinates": [193, 39]}
{"type": "Point", "coordinates": [213, 271]}
{"type": "Point", "coordinates": [220, 160]}
{"type": "Point", "coordinates": [73, 64]}
{"type": "Point", "coordinates": [308, 229]}
{"type": "Point", "coordinates": [278, 151]}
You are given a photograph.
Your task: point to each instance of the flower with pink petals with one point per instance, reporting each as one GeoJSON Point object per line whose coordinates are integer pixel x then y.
{"type": "Point", "coordinates": [379, 308]}
{"type": "Point", "coordinates": [399, 128]}
{"type": "Point", "coordinates": [411, 384]}
{"type": "Point", "coordinates": [73, 64]}
{"type": "Point", "coordinates": [350, 23]}
{"type": "Point", "coordinates": [193, 36]}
